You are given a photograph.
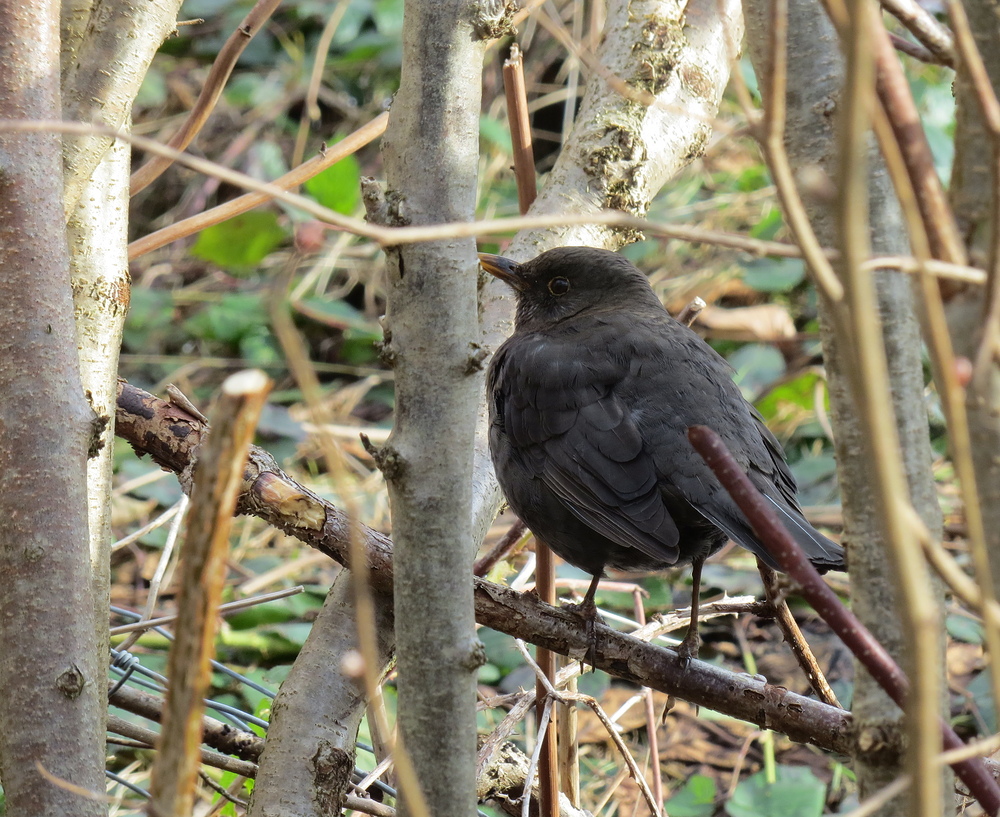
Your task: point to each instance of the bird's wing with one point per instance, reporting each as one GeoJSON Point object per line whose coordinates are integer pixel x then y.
{"type": "Point", "coordinates": [564, 420]}
{"type": "Point", "coordinates": [708, 385]}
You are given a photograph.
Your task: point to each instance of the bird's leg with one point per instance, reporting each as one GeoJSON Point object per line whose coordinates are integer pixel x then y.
{"type": "Point", "coordinates": [588, 610]}
{"type": "Point", "coordinates": [688, 648]}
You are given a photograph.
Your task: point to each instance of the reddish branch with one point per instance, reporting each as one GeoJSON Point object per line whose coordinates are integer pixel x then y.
{"type": "Point", "coordinates": [825, 602]}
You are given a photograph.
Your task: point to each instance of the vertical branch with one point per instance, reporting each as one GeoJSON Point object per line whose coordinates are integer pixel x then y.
{"type": "Point", "coordinates": [305, 768]}
{"type": "Point", "coordinates": [218, 477]}
{"type": "Point", "coordinates": [918, 612]}
{"type": "Point", "coordinates": [896, 144]}
{"type": "Point", "coordinates": [431, 153]}
{"type": "Point", "coordinates": [102, 76]}
{"type": "Point", "coordinates": [51, 703]}
{"type": "Point", "coordinates": [814, 106]}
{"type": "Point", "coordinates": [519, 124]}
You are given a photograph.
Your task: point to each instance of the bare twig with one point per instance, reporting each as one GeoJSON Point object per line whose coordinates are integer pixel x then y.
{"type": "Point", "coordinates": [771, 136]}
{"type": "Point", "coordinates": [616, 738]}
{"type": "Point", "coordinates": [120, 726]}
{"type": "Point", "coordinates": [329, 157]}
{"type": "Point", "coordinates": [652, 721]}
{"type": "Point", "coordinates": [520, 129]}
{"type": "Point", "coordinates": [218, 75]}
{"type": "Point", "coordinates": [912, 49]}
{"type": "Point", "coordinates": [217, 478]}
{"type": "Point", "coordinates": [548, 702]}
{"type": "Point", "coordinates": [310, 110]}
{"type": "Point", "coordinates": [218, 735]}
{"type": "Point", "coordinates": [793, 635]}
{"type": "Point", "coordinates": [922, 25]}
{"type": "Point", "coordinates": [824, 601]}
{"type": "Point", "coordinates": [895, 95]}
{"type": "Point", "coordinates": [507, 542]}
{"type": "Point", "coordinates": [224, 609]}
{"type": "Point", "coordinates": [689, 313]}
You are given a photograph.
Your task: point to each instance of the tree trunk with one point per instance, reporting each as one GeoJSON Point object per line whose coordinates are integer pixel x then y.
{"type": "Point", "coordinates": [815, 69]}
{"type": "Point", "coordinates": [53, 687]}
{"type": "Point", "coordinates": [308, 758]}
{"type": "Point", "coordinates": [431, 154]}
{"type": "Point", "coordinates": [974, 196]}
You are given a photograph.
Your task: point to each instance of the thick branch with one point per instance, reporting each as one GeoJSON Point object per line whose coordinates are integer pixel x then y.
{"type": "Point", "coordinates": [173, 437]}
{"type": "Point", "coordinates": [50, 705]}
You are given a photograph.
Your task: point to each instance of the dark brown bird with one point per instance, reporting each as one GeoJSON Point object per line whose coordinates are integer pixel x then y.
{"type": "Point", "coordinates": [590, 400]}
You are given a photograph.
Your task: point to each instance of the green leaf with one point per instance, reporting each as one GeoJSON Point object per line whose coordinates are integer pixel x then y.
{"type": "Point", "coordinates": [774, 274]}
{"type": "Point", "coordinates": [241, 242]}
{"type": "Point", "coordinates": [757, 366]}
{"type": "Point", "coordinates": [769, 225]}
{"type": "Point", "coordinates": [981, 690]}
{"type": "Point", "coordinates": [338, 187]}
{"type": "Point", "coordinates": [696, 798]}
{"type": "Point", "coordinates": [796, 792]}
{"type": "Point", "coordinates": [800, 393]}
{"type": "Point", "coordinates": [234, 317]}
{"type": "Point", "coordinates": [963, 628]}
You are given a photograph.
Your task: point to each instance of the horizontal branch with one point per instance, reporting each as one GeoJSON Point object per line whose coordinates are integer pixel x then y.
{"type": "Point", "coordinates": [171, 436]}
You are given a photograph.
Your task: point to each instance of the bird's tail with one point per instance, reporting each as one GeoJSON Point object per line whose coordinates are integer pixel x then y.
{"type": "Point", "coordinates": [822, 552]}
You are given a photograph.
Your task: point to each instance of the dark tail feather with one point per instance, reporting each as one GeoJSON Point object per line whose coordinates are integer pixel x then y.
{"type": "Point", "coordinates": [823, 553]}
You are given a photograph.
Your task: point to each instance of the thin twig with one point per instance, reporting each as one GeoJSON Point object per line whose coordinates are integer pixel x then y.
{"type": "Point", "coordinates": [897, 99]}
{"type": "Point", "coordinates": [922, 25]}
{"type": "Point", "coordinates": [166, 562]}
{"type": "Point", "coordinates": [310, 110]}
{"type": "Point", "coordinates": [218, 75]}
{"type": "Point", "coordinates": [543, 725]}
{"type": "Point", "coordinates": [690, 312]}
{"type": "Point", "coordinates": [824, 601]}
{"type": "Point", "coordinates": [519, 124]}
{"type": "Point", "coordinates": [616, 738]}
{"type": "Point", "coordinates": [217, 477]}
{"type": "Point", "coordinates": [224, 610]}
{"type": "Point", "coordinates": [912, 49]}
{"type": "Point", "coordinates": [652, 721]}
{"type": "Point", "coordinates": [793, 636]}
{"type": "Point", "coordinates": [151, 739]}
{"type": "Point", "coordinates": [260, 195]}
{"type": "Point", "coordinates": [507, 542]}
{"type": "Point", "coordinates": [771, 138]}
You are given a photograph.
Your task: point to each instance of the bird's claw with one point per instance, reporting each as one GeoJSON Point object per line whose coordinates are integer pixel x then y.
{"type": "Point", "coordinates": [688, 648]}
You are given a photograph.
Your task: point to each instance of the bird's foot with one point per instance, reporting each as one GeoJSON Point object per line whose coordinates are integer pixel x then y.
{"type": "Point", "coordinates": [688, 648]}
{"type": "Point", "coordinates": [587, 610]}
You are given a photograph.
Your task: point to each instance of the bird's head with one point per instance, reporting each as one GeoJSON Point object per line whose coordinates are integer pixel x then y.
{"type": "Point", "coordinates": [566, 281]}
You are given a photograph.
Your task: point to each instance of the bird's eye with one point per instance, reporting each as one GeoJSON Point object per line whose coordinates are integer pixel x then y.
{"type": "Point", "coordinates": [559, 286]}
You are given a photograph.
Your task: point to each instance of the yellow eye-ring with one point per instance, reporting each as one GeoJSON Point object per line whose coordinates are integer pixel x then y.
{"type": "Point", "coordinates": [559, 286]}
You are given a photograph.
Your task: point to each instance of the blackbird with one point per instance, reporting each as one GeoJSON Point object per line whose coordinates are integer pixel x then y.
{"type": "Point", "coordinates": [590, 400]}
